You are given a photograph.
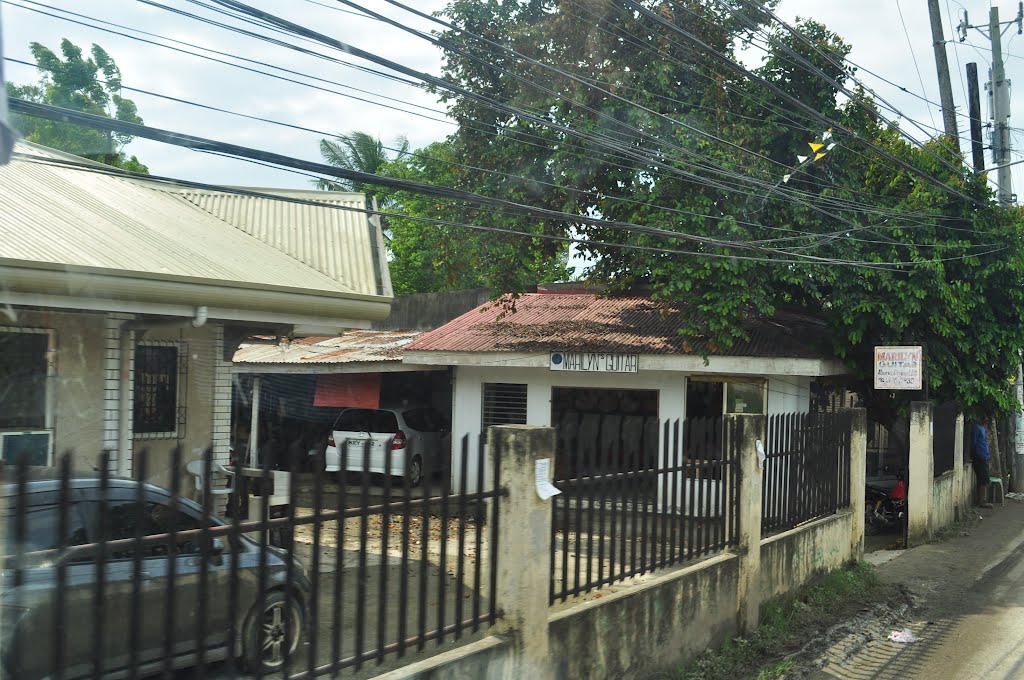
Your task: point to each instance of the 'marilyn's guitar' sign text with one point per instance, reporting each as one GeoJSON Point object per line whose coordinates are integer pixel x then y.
{"type": "Point", "coordinates": [898, 368]}
{"type": "Point", "coordinates": [595, 362]}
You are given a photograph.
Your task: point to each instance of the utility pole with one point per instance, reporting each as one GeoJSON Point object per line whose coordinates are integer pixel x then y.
{"type": "Point", "coordinates": [942, 67]}
{"type": "Point", "coordinates": [999, 90]}
{"type": "Point", "coordinates": [999, 96]}
{"type": "Point", "coordinates": [974, 107]}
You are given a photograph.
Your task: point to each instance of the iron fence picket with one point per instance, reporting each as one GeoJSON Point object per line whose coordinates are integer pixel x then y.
{"type": "Point", "coordinates": [99, 587]}
{"type": "Point", "coordinates": [460, 578]}
{"type": "Point", "coordinates": [361, 577]}
{"type": "Point", "coordinates": [314, 595]}
{"type": "Point", "coordinates": [385, 535]}
{"type": "Point", "coordinates": [204, 566]}
{"type": "Point", "coordinates": [60, 601]}
{"type": "Point", "coordinates": [170, 601]}
{"type": "Point", "coordinates": [480, 514]}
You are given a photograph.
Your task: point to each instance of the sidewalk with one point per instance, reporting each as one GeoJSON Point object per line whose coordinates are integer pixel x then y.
{"type": "Point", "coordinates": [937, 578]}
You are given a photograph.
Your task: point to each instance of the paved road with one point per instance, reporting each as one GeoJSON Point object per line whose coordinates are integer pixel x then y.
{"type": "Point", "coordinates": [965, 631]}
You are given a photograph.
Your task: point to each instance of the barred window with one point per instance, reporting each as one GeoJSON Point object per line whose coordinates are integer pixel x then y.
{"type": "Point", "coordinates": [156, 389]}
{"type": "Point", "coordinates": [504, 404]}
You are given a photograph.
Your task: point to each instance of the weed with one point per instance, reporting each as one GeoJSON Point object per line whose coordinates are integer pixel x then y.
{"type": "Point", "coordinates": [782, 621]}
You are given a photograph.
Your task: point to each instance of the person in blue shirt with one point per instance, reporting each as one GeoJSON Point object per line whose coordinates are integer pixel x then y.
{"type": "Point", "coordinates": [979, 459]}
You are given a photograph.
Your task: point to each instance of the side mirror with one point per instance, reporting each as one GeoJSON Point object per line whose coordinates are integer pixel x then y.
{"type": "Point", "coordinates": [216, 552]}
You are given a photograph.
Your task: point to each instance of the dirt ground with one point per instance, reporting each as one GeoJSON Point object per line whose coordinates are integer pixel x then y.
{"type": "Point", "coordinates": [924, 589]}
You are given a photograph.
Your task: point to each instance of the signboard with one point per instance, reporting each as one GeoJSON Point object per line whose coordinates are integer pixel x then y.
{"type": "Point", "coordinates": [898, 368]}
{"type": "Point", "coordinates": [595, 362]}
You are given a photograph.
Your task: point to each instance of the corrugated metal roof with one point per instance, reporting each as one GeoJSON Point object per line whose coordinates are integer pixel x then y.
{"type": "Point", "coordinates": [352, 347]}
{"type": "Point", "coordinates": [339, 242]}
{"type": "Point", "coordinates": [558, 322]}
{"type": "Point", "coordinates": [62, 216]}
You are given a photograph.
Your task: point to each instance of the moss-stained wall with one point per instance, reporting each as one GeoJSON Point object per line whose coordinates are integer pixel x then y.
{"type": "Point", "coordinates": [944, 509]}
{"type": "Point", "coordinates": [791, 559]}
{"type": "Point", "coordinates": [649, 626]}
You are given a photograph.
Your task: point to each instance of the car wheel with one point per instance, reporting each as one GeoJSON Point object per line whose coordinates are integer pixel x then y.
{"type": "Point", "coordinates": [415, 471]}
{"type": "Point", "coordinates": [280, 618]}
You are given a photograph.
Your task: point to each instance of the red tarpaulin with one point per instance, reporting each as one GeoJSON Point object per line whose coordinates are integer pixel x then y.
{"type": "Point", "coordinates": [358, 390]}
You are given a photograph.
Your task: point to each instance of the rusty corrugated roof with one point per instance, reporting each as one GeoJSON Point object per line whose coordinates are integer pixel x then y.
{"type": "Point", "coordinates": [352, 347]}
{"type": "Point", "coordinates": [544, 322]}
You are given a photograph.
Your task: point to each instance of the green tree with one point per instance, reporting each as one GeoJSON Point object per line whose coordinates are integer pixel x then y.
{"type": "Point", "coordinates": [358, 151]}
{"type": "Point", "coordinates": [680, 162]}
{"type": "Point", "coordinates": [92, 85]}
{"type": "Point", "coordinates": [440, 256]}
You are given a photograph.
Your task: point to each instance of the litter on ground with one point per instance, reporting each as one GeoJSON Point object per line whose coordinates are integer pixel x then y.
{"type": "Point", "coordinates": [905, 635]}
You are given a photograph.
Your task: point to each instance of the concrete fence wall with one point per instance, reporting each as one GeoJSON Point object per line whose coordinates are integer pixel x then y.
{"type": "Point", "coordinates": [934, 502]}
{"type": "Point", "coordinates": [667, 617]}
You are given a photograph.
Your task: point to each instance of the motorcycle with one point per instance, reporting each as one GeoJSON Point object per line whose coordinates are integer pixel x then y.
{"type": "Point", "coordinates": [885, 509]}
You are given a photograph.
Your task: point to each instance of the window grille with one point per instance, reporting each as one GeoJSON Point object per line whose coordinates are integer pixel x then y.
{"type": "Point", "coordinates": [504, 404]}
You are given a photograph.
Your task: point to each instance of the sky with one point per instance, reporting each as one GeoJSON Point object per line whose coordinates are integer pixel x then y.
{"type": "Point", "coordinates": [890, 38]}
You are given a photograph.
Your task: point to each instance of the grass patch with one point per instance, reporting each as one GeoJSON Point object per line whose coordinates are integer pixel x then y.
{"type": "Point", "coordinates": [784, 623]}
{"type": "Point", "coordinates": [961, 527]}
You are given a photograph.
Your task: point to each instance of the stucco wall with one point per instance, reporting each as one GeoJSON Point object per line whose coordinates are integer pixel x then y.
{"type": "Point", "coordinates": [77, 387]}
{"type": "Point", "coordinates": [792, 558]}
{"type": "Point", "coordinates": [786, 394]}
{"type": "Point", "coordinates": [196, 433]}
{"type": "Point", "coordinates": [944, 510]}
{"type": "Point", "coordinates": [647, 627]}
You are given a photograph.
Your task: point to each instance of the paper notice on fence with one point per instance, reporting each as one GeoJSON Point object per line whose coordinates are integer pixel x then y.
{"type": "Point", "coordinates": [545, 489]}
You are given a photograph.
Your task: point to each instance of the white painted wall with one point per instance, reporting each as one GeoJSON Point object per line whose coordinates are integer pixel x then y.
{"type": "Point", "coordinates": [786, 394]}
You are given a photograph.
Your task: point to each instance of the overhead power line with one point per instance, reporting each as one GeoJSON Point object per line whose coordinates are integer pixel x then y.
{"type": "Point", "coordinates": [901, 267]}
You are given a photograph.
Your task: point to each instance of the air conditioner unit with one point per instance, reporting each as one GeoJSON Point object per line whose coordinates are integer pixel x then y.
{"type": "Point", "coordinates": [34, 447]}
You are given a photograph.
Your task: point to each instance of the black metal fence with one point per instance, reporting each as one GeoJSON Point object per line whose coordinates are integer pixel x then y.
{"type": "Point", "coordinates": [626, 513]}
{"type": "Point", "coordinates": [104, 575]}
{"type": "Point", "coordinates": [806, 469]}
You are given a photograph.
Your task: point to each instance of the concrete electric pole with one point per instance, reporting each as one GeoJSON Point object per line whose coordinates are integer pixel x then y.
{"type": "Point", "coordinates": [942, 67]}
{"type": "Point", "coordinates": [999, 99]}
{"type": "Point", "coordinates": [999, 96]}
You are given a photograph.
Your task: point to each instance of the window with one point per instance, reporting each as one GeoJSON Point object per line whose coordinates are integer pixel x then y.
{"type": "Point", "coordinates": [425, 420]}
{"type": "Point", "coordinates": [156, 389]}
{"type": "Point", "coordinates": [123, 519]}
{"type": "Point", "coordinates": [504, 404]}
{"type": "Point", "coordinates": [384, 421]}
{"type": "Point", "coordinates": [353, 420]}
{"type": "Point", "coordinates": [745, 397]}
{"type": "Point", "coordinates": [42, 527]}
{"type": "Point", "coordinates": [24, 398]}
{"type": "Point", "coordinates": [23, 370]}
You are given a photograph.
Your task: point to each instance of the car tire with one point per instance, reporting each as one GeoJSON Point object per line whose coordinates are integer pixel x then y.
{"type": "Point", "coordinates": [415, 471]}
{"type": "Point", "coordinates": [277, 606]}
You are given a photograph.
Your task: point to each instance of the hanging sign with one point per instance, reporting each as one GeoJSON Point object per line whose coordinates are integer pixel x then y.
{"type": "Point", "coordinates": [595, 362]}
{"type": "Point", "coordinates": [898, 368]}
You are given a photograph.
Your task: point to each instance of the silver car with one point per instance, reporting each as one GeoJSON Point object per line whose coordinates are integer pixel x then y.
{"type": "Point", "coordinates": [29, 599]}
{"type": "Point", "coordinates": [415, 438]}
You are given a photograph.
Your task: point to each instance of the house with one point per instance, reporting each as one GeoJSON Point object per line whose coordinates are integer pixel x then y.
{"type": "Point", "coordinates": [123, 301]}
{"type": "Point", "coordinates": [597, 367]}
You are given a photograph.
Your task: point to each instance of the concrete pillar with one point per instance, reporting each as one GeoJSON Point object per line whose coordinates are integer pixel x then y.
{"type": "Point", "coordinates": [858, 478]}
{"type": "Point", "coordinates": [524, 522]}
{"type": "Point", "coordinates": [744, 432]}
{"type": "Point", "coordinates": [959, 499]}
{"type": "Point", "coordinates": [920, 474]}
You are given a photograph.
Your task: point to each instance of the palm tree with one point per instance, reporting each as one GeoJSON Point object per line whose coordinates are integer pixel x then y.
{"type": "Point", "coordinates": [357, 151]}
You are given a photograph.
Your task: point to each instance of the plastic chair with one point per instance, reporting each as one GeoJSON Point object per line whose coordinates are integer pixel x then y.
{"type": "Point", "coordinates": [992, 482]}
{"type": "Point", "coordinates": [197, 468]}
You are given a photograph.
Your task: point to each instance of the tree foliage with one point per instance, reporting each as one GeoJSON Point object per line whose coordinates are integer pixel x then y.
{"type": "Point", "coordinates": [92, 85]}
{"type": "Point", "coordinates": [940, 268]}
